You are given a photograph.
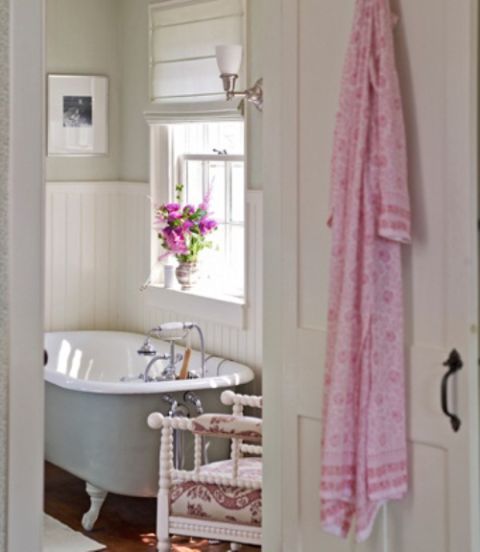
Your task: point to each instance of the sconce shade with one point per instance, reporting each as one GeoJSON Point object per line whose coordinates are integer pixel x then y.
{"type": "Point", "coordinates": [229, 58]}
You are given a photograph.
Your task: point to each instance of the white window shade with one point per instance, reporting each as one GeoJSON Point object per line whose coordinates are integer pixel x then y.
{"type": "Point", "coordinates": [183, 37]}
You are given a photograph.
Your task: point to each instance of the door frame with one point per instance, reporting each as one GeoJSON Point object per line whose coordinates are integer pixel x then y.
{"type": "Point", "coordinates": [26, 269]}
{"type": "Point", "coordinates": [277, 116]}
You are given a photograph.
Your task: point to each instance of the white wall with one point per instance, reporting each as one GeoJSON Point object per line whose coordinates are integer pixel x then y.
{"type": "Point", "coordinates": [134, 78]}
{"type": "Point", "coordinates": [97, 245]}
{"type": "Point", "coordinates": [98, 228]}
{"type": "Point", "coordinates": [97, 258]}
{"type": "Point", "coordinates": [82, 38]}
{"type": "Point", "coordinates": [254, 119]}
{"type": "Point", "coordinates": [133, 32]}
{"type": "Point", "coordinates": [4, 256]}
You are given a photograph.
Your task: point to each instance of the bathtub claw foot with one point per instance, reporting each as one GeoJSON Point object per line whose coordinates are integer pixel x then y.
{"type": "Point", "coordinates": [163, 545]}
{"type": "Point", "coordinates": [97, 498]}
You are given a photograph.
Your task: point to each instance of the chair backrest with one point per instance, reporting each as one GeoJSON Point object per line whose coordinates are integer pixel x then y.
{"type": "Point", "coordinates": [238, 401]}
{"type": "Point", "coordinates": [236, 427]}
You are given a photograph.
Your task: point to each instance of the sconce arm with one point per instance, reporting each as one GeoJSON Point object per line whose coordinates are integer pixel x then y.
{"type": "Point", "coordinates": [253, 94]}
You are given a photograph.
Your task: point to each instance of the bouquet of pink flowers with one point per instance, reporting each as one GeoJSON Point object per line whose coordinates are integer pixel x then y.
{"type": "Point", "coordinates": [183, 229]}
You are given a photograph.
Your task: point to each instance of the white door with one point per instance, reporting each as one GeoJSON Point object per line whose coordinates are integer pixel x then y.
{"type": "Point", "coordinates": [437, 56]}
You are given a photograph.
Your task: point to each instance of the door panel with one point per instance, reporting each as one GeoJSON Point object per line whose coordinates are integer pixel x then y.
{"type": "Point", "coordinates": [323, 28]}
{"type": "Point", "coordinates": [309, 429]}
{"type": "Point", "coordinates": [421, 43]}
{"type": "Point", "coordinates": [428, 531]}
{"type": "Point", "coordinates": [436, 49]}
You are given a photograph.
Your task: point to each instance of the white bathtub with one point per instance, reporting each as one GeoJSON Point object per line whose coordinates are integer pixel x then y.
{"type": "Point", "coordinates": [96, 424]}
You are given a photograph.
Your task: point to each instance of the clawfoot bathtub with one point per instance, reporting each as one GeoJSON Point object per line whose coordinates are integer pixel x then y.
{"type": "Point", "coordinates": [96, 424]}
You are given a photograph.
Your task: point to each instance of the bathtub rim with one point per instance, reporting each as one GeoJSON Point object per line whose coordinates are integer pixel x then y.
{"type": "Point", "coordinates": [244, 374]}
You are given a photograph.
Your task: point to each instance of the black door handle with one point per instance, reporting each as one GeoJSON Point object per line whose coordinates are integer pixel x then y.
{"type": "Point", "coordinates": [454, 364]}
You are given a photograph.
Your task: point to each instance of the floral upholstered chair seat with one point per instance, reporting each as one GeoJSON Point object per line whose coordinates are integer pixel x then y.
{"type": "Point", "coordinates": [221, 502]}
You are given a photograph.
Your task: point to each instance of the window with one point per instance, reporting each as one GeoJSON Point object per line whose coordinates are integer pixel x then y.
{"type": "Point", "coordinates": [208, 158]}
{"type": "Point", "coordinates": [204, 155]}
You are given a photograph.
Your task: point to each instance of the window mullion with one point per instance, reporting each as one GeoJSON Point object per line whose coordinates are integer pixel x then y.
{"type": "Point", "coordinates": [228, 215]}
{"type": "Point", "coordinates": [228, 191]}
{"type": "Point", "coordinates": [205, 177]}
{"type": "Point", "coordinates": [183, 177]}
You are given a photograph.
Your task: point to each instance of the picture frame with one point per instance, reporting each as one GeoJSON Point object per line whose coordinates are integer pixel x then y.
{"type": "Point", "coordinates": [77, 115]}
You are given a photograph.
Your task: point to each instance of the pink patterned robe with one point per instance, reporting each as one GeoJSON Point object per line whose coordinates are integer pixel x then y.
{"type": "Point", "coordinates": [364, 455]}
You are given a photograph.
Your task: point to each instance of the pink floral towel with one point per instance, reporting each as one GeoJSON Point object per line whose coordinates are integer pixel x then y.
{"type": "Point", "coordinates": [364, 443]}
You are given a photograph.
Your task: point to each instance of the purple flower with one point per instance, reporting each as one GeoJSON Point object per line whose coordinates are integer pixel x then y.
{"type": "Point", "coordinates": [205, 205]}
{"type": "Point", "coordinates": [207, 225]}
{"type": "Point", "coordinates": [171, 207]}
{"type": "Point", "coordinates": [172, 217]}
{"type": "Point", "coordinates": [182, 229]}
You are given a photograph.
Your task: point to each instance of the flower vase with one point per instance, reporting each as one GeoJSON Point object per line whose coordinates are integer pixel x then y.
{"type": "Point", "coordinates": [187, 274]}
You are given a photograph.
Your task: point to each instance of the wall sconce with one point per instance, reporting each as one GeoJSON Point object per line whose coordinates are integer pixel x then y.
{"type": "Point", "coordinates": [229, 59]}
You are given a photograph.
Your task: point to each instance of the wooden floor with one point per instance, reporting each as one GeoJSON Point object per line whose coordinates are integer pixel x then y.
{"type": "Point", "coordinates": [125, 524]}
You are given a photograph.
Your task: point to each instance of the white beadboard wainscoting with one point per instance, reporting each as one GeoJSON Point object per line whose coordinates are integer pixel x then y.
{"type": "Point", "coordinates": [97, 258]}
{"type": "Point", "coordinates": [97, 244]}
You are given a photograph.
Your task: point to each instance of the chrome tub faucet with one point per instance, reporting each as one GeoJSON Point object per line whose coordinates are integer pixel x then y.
{"type": "Point", "coordinates": [170, 332]}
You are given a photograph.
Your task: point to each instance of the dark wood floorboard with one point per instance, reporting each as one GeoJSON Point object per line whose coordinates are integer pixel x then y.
{"type": "Point", "coordinates": [126, 524]}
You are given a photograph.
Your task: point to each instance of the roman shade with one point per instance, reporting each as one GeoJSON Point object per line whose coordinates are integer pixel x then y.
{"type": "Point", "coordinates": [183, 36]}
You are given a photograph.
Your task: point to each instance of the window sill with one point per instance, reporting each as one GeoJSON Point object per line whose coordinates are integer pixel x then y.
{"type": "Point", "coordinates": [199, 303]}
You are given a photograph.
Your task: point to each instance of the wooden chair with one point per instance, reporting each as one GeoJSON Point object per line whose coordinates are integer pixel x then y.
{"type": "Point", "coordinates": [219, 500]}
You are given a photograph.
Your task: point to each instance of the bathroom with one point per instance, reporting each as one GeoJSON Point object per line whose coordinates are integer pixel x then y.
{"type": "Point", "coordinates": [103, 277]}
{"type": "Point", "coordinates": [86, 263]}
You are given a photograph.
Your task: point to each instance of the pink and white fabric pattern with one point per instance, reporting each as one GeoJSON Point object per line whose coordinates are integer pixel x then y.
{"type": "Point", "coordinates": [221, 502]}
{"type": "Point", "coordinates": [228, 426]}
{"type": "Point", "coordinates": [364, 453]}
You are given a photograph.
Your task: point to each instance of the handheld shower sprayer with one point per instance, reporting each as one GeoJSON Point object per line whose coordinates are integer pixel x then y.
{"type": "Point", "coordinates": [147, 349]}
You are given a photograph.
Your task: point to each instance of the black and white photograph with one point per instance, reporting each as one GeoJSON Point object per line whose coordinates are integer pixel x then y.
{"type": "Point", "coordinates": [77, 111]}
{"type": "Point", "coordinates": [77, 115]}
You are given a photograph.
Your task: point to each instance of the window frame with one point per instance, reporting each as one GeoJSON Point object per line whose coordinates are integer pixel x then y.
{"type": "Point", "coordinates": [197, 303]}
{"type": "Point", "coordinates": [229, 222]}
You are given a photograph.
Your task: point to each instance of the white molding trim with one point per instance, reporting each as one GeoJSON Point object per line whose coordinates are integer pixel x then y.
{"type": "Point", "coordinates": [113, 186]}
{"type": "Point", "coordinates": [185, 114]}
{"type": "Point", "coordinates": [194, 304]}
{"type": "Point", "coordinates": [277, 117]}
{"type": "Point", "coordinates": [26, 269]}
{"type": "Point", "coordinates": [197, 305]}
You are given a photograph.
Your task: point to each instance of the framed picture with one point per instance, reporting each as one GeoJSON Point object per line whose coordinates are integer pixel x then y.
{"type": "Point", "coordinates": [77, 115]}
